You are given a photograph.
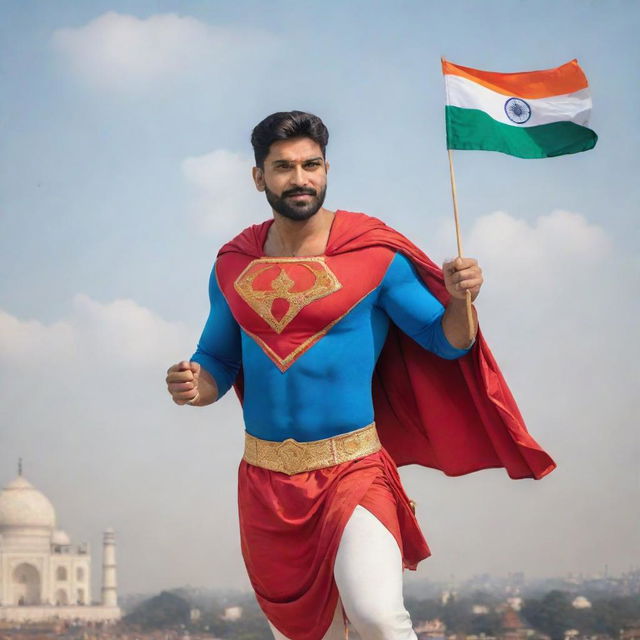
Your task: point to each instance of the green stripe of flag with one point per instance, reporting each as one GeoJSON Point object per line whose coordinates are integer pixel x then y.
{"type": "Point", "coordinates": [474, 129]}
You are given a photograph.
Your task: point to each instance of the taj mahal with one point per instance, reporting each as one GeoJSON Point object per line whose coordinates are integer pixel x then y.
{"type": "Point", "coordinates": [42, 575]}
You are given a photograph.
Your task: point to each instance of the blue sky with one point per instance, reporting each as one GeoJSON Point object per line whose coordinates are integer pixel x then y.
{"type": "Point", "coordinates": [124, 165]}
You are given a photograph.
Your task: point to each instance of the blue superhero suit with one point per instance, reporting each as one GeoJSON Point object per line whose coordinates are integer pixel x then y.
{"type": "Point", "coordinates": [327, 390]}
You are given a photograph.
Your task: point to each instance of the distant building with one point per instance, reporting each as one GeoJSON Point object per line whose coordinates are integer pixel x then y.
{"type": "Point", "coordinates": [479, 609]}
{"type": "Point", "coordinates": [232, 613]}
{"type": "Point", "coordinates": [512, 627]}
{"type": "Point", "coordinates": [630, 633]}
{"type": "Point", "coordinates": [431, 630]}
{"type": "Point", "coordinates": [581, 603]}
{"type": "Point", "coordinates": [515, 582]}
{"type": "Point", "coordinates": [42, 576]}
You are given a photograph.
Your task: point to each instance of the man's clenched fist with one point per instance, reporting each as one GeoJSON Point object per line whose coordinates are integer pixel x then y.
{"type": "Point", "coordinates": [462, 275]}
{"type": "Point", "coordinates": [182, 382]}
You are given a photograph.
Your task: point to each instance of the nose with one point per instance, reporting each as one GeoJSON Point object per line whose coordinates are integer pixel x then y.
{"type": "Point", "coordinates": [300, 177]}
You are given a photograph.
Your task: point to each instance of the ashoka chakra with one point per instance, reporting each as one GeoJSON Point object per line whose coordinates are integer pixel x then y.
{"type": "Point", "coordinates": [517, 110]}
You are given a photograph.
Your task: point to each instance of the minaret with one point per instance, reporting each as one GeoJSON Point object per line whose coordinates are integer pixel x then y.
{"type": "Point", "coordinates": [109, 583]}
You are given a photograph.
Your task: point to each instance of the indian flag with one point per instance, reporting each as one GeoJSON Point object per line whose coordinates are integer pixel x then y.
{"type": "Point", "coordinates": [533, 114]}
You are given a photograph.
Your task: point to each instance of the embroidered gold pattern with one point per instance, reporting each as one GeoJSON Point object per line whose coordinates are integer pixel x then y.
{"type": "Point", "coordinates": [291, 456]}
{"type": "Point", "coordinates": [261, 300]}
{"type": "Point", "coordinates": [284, 363]}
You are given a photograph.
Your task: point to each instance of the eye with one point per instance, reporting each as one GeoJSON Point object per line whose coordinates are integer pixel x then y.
{"type": "Point", "coordinates": [314, 164]}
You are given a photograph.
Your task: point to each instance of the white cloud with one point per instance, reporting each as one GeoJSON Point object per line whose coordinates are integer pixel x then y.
{"type": "Point", "coordinates": [125, 331]}
{"type": "Point", "coordinates": [522, 254]}
{"type": "Point", "coordinates": [224, 199]}
{"type": "Point", "coordinates": [123, 52]}
{"type": "Point", "coordinates": [120, 333]}
{"type": "Point", "coordinates": [25, 338]}
{"type": "Point", "coordinates": [516, 251]}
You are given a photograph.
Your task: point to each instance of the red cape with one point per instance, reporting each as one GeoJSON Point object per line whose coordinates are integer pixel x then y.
{"type": "Point", "coordinates": [454, 415]}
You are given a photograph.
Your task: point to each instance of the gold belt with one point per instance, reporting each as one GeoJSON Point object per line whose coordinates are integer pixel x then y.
{"type": "Point", "coordinates": [291, 456]}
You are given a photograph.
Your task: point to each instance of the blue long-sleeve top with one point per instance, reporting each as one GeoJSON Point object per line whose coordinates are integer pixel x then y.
{"type": "Point", "coordinates": [327, 390]}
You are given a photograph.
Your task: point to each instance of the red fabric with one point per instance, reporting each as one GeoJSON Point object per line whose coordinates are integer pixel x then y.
{"type": "Point", "coordinates": [319, 313]}
{"type": "Point", "coordinates": [290, 529]}
{"type": "Point", "coordinates": [454, 415]}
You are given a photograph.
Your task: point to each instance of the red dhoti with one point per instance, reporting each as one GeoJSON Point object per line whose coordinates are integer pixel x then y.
{"type": "Point", "coordinates": [290, 529]}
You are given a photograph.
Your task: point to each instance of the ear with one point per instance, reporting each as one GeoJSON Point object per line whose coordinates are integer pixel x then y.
{"type": "Point", "coordinates": [326, 166]}
{"type": "Point", "coordinates": [258, 178]}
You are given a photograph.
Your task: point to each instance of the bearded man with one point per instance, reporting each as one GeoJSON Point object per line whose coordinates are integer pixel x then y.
{"type": "Point", "coordinates": [351, 353]}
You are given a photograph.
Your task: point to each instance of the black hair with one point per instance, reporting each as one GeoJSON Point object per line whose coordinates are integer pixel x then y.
{"type": "Point", "coordinates": [284, 125]}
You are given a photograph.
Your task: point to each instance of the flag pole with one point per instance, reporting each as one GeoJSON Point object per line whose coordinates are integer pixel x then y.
{"type": "Point", "coordinates": [452, 175]}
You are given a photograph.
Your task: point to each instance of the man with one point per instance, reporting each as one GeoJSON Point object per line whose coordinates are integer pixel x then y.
{"type": "Point", "coordinates": [307, 311]}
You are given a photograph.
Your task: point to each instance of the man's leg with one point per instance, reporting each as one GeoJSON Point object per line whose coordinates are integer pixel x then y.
{"type": "Point", "coordinates": [334, 632]}
{"type": "Point", "coordinates": [368, 572]}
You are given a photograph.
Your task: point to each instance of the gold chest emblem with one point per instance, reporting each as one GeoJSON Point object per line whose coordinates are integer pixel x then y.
{"type": "Point", "coordinates": [277, 289]}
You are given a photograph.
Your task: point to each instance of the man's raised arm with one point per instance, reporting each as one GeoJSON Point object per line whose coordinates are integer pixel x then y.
{"type": "Point", "coordinates": [413, 308]}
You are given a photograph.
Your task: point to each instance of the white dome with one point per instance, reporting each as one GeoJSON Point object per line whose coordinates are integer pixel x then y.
{"type": "Point", "coordinates": [60, 537]}
{"type": "Point", "coordinates": [22, 505]}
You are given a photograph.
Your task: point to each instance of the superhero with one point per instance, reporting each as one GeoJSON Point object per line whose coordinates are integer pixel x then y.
{"type": "Point", "coordinates": [350, 352]}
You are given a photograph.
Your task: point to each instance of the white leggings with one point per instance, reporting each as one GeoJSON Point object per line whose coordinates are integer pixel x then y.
{"type": "Point", "coordinates": [368, 572]}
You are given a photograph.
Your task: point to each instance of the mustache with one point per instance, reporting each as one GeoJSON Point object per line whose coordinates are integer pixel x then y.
{"type": "Point", "coordinates": [299, 191]}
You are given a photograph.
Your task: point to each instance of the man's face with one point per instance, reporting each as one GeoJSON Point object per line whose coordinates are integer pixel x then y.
{"type": "Point", "coordinates": [294, 178]}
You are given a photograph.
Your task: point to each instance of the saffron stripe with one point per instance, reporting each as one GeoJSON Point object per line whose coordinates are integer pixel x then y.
{"type": "Point", "coordinates": [566, 78]}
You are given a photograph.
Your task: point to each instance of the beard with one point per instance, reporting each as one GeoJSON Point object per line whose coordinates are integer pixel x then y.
{"type": "Point", "coordinates": [298, 211]}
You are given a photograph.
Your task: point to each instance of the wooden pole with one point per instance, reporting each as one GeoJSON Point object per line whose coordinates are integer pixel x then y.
{"type": "Point", "coordinates": [470, 321]}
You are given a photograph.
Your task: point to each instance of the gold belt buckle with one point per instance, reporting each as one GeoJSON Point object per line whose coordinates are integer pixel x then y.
{"type": "Point", "coordinates": [292, 456]}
